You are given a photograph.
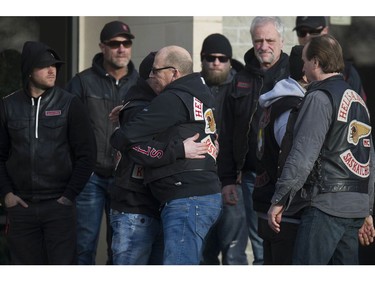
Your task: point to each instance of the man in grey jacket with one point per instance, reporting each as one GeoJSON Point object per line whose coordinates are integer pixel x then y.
{"type": "Point", "coordinates": [330, 164]}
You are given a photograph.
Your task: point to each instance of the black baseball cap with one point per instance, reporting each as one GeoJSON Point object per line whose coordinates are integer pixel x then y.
{"type": "Point", "coordinates": [310, 22]}
{"type": "Point", "coordinates": [48, 58]}
{"type": "Point", "coordinates": [113, 29]}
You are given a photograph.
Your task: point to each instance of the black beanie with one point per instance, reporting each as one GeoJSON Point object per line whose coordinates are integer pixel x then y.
{"type": "Point", "coordinates": [146, 65]}
{"type": "Point", "coordinates": [296, 63]}
{"type": "Point", "coordinates": [216, 43]}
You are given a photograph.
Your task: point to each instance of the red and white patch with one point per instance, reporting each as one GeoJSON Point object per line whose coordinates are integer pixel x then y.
{"type": "Point", "coordinates": [212, 150]}
{"type": "Point", "coordinates": [151, 152]}
{"type": "Point", "coordinates": [360, 169]}
{"type": "Point", "coordinates": [53, 112]}
{"type": "Point", "coordinates": [348, 98]}
{"type": "Point", "coordinates": [198, 109]}
{"type": "Point", "coordinates": [138, 172]}
{"type": "Point", "coordinates": [357, 131]}
{"type": "Point", "coordinates": [243, 85]}
{"type": "Point", "coordinates": [366, 142]}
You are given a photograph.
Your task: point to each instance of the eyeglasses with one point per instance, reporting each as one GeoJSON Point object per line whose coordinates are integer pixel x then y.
{"type": "Point", "coordinates": [155, 70]}
{"type": "Point", "coordinates": [211, 58]}
{"type": "Point", "coordinates": [116, 44]}
{"type": "Point", "coordinates": [303, 32]}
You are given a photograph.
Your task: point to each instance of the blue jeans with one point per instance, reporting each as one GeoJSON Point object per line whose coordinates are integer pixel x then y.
{"type": "Point", "coordinates": [137, 239]}
{"type": "Point", "coordinates": [323, 239]}
{"type": "Point", "coordinates": [186, 222]}
{"type": "Point", "coordinates": [248, 180]}
{"type": "Point", "coordinates": [228, 236]}
{"type": "Point", "coordinates": [91, 202]}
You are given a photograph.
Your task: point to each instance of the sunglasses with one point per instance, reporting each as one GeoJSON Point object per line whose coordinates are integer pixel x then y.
{"type": "Point", "coordinates": [156, 70]}
{"type": "Point", "coordinates": [303, 32]}
{"type": "Point", "coordinates": [210, 58]}
{"type": "Point", "coordinates": [116, 44]}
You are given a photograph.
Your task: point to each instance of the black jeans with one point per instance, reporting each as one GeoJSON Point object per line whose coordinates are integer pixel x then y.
{"type": "Point", "coordinates": [278, 247]}
{"type": "Point", "coordinates": [43, 233]}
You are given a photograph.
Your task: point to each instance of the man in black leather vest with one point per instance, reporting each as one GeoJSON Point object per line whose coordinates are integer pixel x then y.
{"type": "Point", "coordinates": [185, 182]}
{"type": "Point", "coordinates": [330, 164]}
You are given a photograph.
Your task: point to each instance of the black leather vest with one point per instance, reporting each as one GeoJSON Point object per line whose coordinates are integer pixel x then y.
{"type": "Point", "coordinates": [268, 150]}
{"type": "Point", "coordinates": [268, 153]}
{"type": "Point", "coordinates": [101, 93]}
{"type": "Point", "coordinates": [202, 121]}
{"type": "Point", "coordinates": [343, 163]}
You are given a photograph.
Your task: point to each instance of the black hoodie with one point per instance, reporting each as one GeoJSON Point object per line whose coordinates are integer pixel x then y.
{"type": "Point", "coordinates": [129, 194]}
{"type": "Point", "coordinates": [100, 92]}
{"type": "Point", "coordinates": [168, 121]}
{"type": "Point", "coordinates": [34, 55]}
{"type": "Point", "coordinates": [46, 143]}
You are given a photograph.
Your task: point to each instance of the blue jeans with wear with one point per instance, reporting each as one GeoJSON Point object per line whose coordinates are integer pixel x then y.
{"type": "Point", "coordinates": [248, 180]}
{"type": "Point", "coordinates": [186, 222]}
{"type": "Point", "coordinates": [137, 239]}
{"type": "Point", "coordinates": [91, 203]}
{"type": "Point", "coordinates": [228, 236]}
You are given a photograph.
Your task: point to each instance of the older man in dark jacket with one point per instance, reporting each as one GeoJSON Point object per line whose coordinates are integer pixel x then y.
{"type": "Point", "coordinates": [265, 65]}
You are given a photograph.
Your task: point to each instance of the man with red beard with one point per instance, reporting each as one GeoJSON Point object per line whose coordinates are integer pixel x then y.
{"type": "Point", "coordinates": [229, 235]}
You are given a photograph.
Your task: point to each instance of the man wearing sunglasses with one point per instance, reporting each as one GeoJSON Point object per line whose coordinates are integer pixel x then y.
{"type": "Point", "coordinates": [229, 235]}
{"type": "Point", "coordinates": [185, 182]}
{"type": "Point", "coordinates": [308, 27]}
{"type": "Point", "coordinates": [102, 88]}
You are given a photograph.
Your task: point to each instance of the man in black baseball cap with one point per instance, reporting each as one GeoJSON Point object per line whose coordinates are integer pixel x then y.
{"type": "Point", "coordinates": [37, 55]}
{"type": "Point", "coordinates": [311, 22]}
{"type": "Point", "coordinates": [113, 29]}
{"type": "Point", "coordinates": [102, 88]}
{"type": "Point", "coordinates": [47, 155]}
{"type": "Point", "coordinates": [310, 26]}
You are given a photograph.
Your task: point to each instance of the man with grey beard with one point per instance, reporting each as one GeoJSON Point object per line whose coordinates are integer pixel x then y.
{"type": "Point", "coordinates": [229, 235]}
{"type": "Point", "coordinates": [102, 88]}
{"type": "Point", "coordinates": [265, 65]}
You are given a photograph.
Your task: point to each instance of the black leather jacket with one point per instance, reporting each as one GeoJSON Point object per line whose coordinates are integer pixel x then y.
{"type": "Point", "coordinates": [46, 145]}
{"type": "Point", "coordinates": [100, 92]}
{"type": "Point", "coordinates": [343, 161]}
{"type": "Point", "coordinates": [241, 115]}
